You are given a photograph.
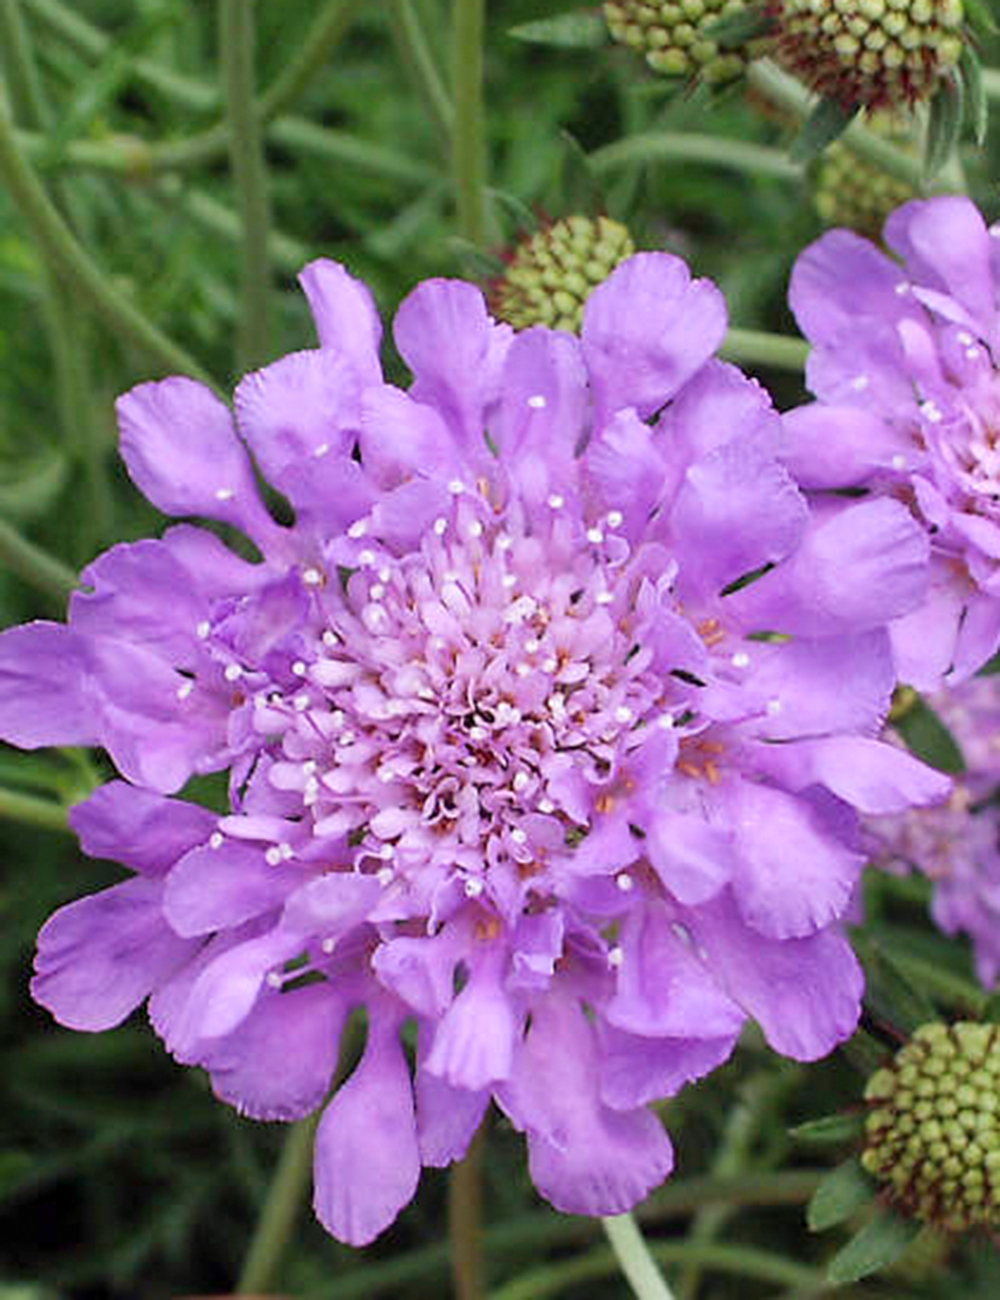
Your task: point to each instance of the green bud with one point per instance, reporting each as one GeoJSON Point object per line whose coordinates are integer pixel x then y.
{"type": "Point", "coordinates": [852, 191]}
{"type": "Point", "coordinates": [673, 36]}
{"type": "Point", "coordinates": [941, 1170]}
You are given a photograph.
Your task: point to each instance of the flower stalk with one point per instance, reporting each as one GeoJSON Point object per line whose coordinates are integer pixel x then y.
{"type": "Point", "coordinates": [634, 1258]}
{"type": "Point", "coordinates": [281, 1209]}
{"type": "Point", "coordinates": [468, 147]}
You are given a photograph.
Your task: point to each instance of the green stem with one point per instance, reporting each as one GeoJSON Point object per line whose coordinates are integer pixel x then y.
{"type": "Point", "coordinates": [788, 94]}
{"type": "Point", "coordinates": [991, 83]}
{"type": "Point", "coordinates": [327, 31]}
{"type": "Point", "coordinates": [281, 1209]}
{"type": "Point", "coordinates": [75, 268]}
{"type": "Point", "coordinates": [415, 54]}
{"type": "Point", "coordinates": [25, 83]}
{"type": "Point", "coordinates": [947, 987]}
{"type": "Point", "coordinates": [207, 212]}
{"type": "Point", "coordinates": [468, 146]}
{"type": "Point", "coordinates": [634, 1258]}
{"type": "Point", "coordinates": [33, 565]}
{"type": "Point", "coordinates": [740, 1261]}
{"type": "Point", "coordinates": [715, 151]}
{"type": "Point", "coordinates": [465, 1221]}
{"type": "Point", "coordinates": [246, 158]}
{"type": "Point", "coordinates": [26, 808]}
{"type": "Point", "coordinates": [758, 348]}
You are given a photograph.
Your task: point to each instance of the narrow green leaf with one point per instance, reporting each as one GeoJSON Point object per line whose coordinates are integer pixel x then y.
{"type": "Point", "coordinates": [825, 123]}
{"type": "Point", "coordinates": [843, 1192]}
{"type": "Point", "coordinates": [878, 1245]}
{"type": "Point", "coordinates": [980, 18]}
{"type": "Point", "coordinates": [944, 125]}
{"type": "Point", "coordinates": [580, 189]}
{"type": "Point", "coordinates": [976, 105]}
{"type": "Point", "coordinates": [578, 30]}
{"type": "Point", "coordinates": [739, 28]}
{"type": "Point", "coordinates": [831, 1130]}
{"type": "Point", "coordinates": [889, 995]}
{"type": "Point", "coordinates": [928, 737]}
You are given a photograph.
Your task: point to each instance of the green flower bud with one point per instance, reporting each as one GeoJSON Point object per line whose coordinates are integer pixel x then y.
{"type": "Point", "coordinates": [873, 53]}
{"type": "Point", "coordinates": [851, 191]}
{"type": "Point", "coordinates": [551, 274]}
{"type": "Point", "coordinates": [932, 1133]}
{"type": "Point", "coordinates": [672, 36]}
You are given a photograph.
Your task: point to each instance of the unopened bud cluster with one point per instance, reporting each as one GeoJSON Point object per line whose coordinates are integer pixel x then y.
{"type": "Point", "coordinates": [551, 274]}
{"type": "Point", "coordinates": [673, 36]}
{"type": "Point", "coordinates": [851, 191]}
{"type": "Point", "coordinates": [870, 52]}
{"type": "Point", "coordinates": [933, 1131]}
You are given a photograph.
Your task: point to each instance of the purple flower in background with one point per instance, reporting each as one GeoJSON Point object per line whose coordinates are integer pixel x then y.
{"type": "Point", "coordinates": [547, 725]}
{"type": "Point", "coordinates": [904, 367]}
{"type": "Point", "coordinates": [957, 845]}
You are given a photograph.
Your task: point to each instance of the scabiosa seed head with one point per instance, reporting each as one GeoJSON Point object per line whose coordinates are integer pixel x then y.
{"type": "Point", "coordinates": [933, 1127]}
{"type": "Point", "coordinates": [873, 53]}
{"type": "Point", "coordinates": [674, 37]}
{"type": "Point", "coordinates": [499, 713]}
{"type": "Point", "coordinates": [851, 191]}
{"type": "Point", "coordinates": [552, 272]}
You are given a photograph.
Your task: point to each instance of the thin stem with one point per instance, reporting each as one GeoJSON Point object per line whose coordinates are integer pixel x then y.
{"type": "Point", "coordinates": [327, 31]}
{"type": "Point", "coordinates": [634, 1258]}
{"type": "Point", "coordinates": [25, 808]}
{"type": "Point", "coordinates": [246, 158]}
{"type": "Point", "coordinates": [284, 1200]}
{"type": "Point", "coordinates": [714, 151]}
{"type": "Point", "coordinates": [416, 55]}
{"type": "Point", "coordinates": [789, 94]}
{"type": "Point", "coordinates": [25, 83]}
{"type": "Point", "coordinates": [76, 269]}
{"type": "Point", "coordinates": [465, 1221]}
{"type": "Point", "coordinates": [33, 565]}
{"type": "Point", "coordinates": [468, 147]}
{"type": "Point", "coordinates": [758, 348]}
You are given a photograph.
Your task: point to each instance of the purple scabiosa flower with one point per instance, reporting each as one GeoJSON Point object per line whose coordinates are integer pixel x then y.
{"type": "Point", "coordinates": [957, 845]}
{"type": "Point", "coordinates": [517, 752]}
{"type": "Point", "coordinates": [904, 367]}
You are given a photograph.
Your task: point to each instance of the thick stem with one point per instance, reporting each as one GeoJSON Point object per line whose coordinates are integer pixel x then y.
{"type": "Point", "coordinates": [713, 151]}
{"type": "Point", "coordinates": [465, 1222]}
{"type": "Point", "coordinates": [469, 145]}
{"type": "Point", "coordinates": [634, 1258]}
{"type": "Point", "coordinates": [30, 811]}
{"type": "Point", "coordinates": [758, 348]}
{"type": "Point", "coordinates": [281, 1209]}
{"type": "Point", "coordinates": [246, 159]}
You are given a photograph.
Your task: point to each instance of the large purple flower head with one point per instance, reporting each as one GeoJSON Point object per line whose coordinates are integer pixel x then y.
{"type": "Point", "coordinates": [904, 365]}
{"type": "Point", "coordinates": [520, 753]}
{"type": "Point", "coordinates": [957, 844]}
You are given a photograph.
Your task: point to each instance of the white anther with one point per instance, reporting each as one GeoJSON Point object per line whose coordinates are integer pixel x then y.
{"type": "Point", "coordinates": [328, 945]}
{"type": "Point", "coordinates": [301, 703]}
{"type": "Point", "coordinates": [286, 851]}
{"type": "Point", "coordinates": [386, 775]}
{"type": "Point", "coordinates": [859, 383]}
{"type": "Point", "coordinates": [358, 529]}
{"type": "Point", "coordinates": [204, 629]}
{"type": "Point", "coordinates": [504, 543]}
{"type": "Point", "coordinates": [473, 888]}
{"type": "Point", "coordinates": [310, 792]}
{"type": "Point", "coordinates": [386, 852]}
{"type": "Point", "coordinates": [224, 494]}
{"type": "Point", "coordinates": [215, 840]}
{"type": "Point", "coordinates": [533, 646]}
{"type": "Point", "coordinates": [614, 519]}
{"type": "Point", "coordinates": [930, 411]}
{"type": "Point", "coordinates": [519, 836]}
{"type": "Point", "coordinates": [272, 857]}
{"type": "Point", "coordinates": [595, 535]}
{"type": "Point", "coordinates": [509, 580]}
{"type": "Point", "coordinates": [425, 693]}
{"type": "Point", "coordinates": [522, 670]}
{"type": "Point", "coordinates": [603, 598]}
{"type": "Point", "coordinates": [309, 766]}
{"type": "Point", "coordinates": [556, 501]}
{"type": "Point", "coordinates": [456, 487]}
{"type": "Point", "coordinates": [233, 672]}
{"type": "Point", "coordinates": [376, 591]}
{"type": "Point", "coordinates": [478, 733]}
{"type": "Point", "coordinates": [321, 450]}
{"type": "Point", "coordinates": [184, 690]}
{"type": "Point", "coordinates": [615, 957]}
{"type": "Point", "coordinates": [274, 980]}
{"type": "Point", "coordinates": [546, 806]}
{"type": "Point", "coordinates": [384, 575]}
{"type": "Point", "coordinates": [329, 638]}
{"type": "Point", "coordinates": [385, 876]}
{"type": "Point", "coordinates": [965, 338]}
{"type": "Point", "coordinates": [299, 668]}
{"type": "Point", "coordinates": [623, 713]}
{"type": "Point", "coordinates": [973, 353]}
{"type": "Point", "coordinates": [346, 738]}
{"type": "Point", "coordinates": [898, 462]}
{"type": "Point", "coordinates": [312, 577]}
{"type": "Point", "coordinates": [537, 402]}
{"type": "Point", "coordinates": [440, 527]}
{"type": "Point", "coordinates": [740, 659]}
{"type": "Point", "coordinates": [550, 665]}
{"type": "Point", "coordinates": [475, 529]}
{"type": "Point", "coordinates": [994, 231]}
{"type": "Point", "coordinates": [556, 704]}
{"type": "Point", "coordinates": [902, 288]}
{"type": "Point", "coordinates": [666, 721]}
{"type": "Point", "coordinates": [624, 882]}
{"type": "Point", "coordinates": [521, 779]}
{"type": "Point", "coordinates": [366, 558]}
{"type": "Point", "coordinates": [774, 707]}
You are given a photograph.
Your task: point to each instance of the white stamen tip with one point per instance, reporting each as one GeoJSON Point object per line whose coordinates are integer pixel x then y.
{"type": "Point", "coordinates": [184, 690]}
{"type": "Point", "coordinates": [224, 494]}
{"type": "Point", "coordinates": [774, 707]}
{"type": "Point", "coordinates": [473, 888]}
{"type": "Point", "coordinates": [556, 501]}
{"type": "Point", "coordinates": [521, 779]}
{"type": "Point", "coordinates": [615, 519]}
{"type": "Point", "coordinates": [301, 703]}
{"type": "Point", "coordinates": [550, 665]}
{"type": "Point", "coordinates": [203, 629]}
{"type": "Point", "coordinates": [329, 638]}
{"type": "Point", "coordinates": [366, 559]}
{"type": "Point", "coordinates": [504, 543]}
{"type": "Point", "coordinates": [475, 529]}
{"type": "Point", "coordinates": [377, 590]}
{"type": "Point", "coordinates": [898, 462]}
{"type": "Point", "coordinates": [440, 527]}
{"type": "Point", "coordinates": [537, 402]}
{"type": "Point", "coordinates": [859, 383]}
{"type": "Point", "coordinates": [623, 713]}
{"type": "Point", "coordinates": [299, 668]}
{"type": "Point", "coordinates": [312, 577]}
{"type": "Point", "coordinates": [233, 672]}
{"type": "Point", "coordinates": [215, 840]}
{"type": "Point", "coordinates": [624, 882]}
{"type": "Point", "coordinates": [973, 353]}
{"type": "Point", "coordinates": [456, 487]}
{"type": "Point", "coordinates": [902, 288]}
{"type": "Point", "coordinates": [272, 857]}
{"type": "Point", "coordinates": [965, 338]}
{"type": "Point", "coordinates": [740, 659]}
{"type": "Point", "coordinates": [286, 851]}
{"type": "Point", "coordinates": [386, 852]}
{"type": "Point", "coordinates": [274, 980]}
{"type": "Point", "coordinates": [385, 876]}
{"type": "Point", "coordinates": [518, 836]}
{"type": "Point", "coordinates": [615, 957]}
{"type": "Point", "coordinates": [509, 580]}
{"type": "Point", "coordinates": [321, 450]}
{"type": "Point", "coordinates": [595, 535]}
{"type": "Point", "coordinates": [328, 945]}
{"type": "Point", "coordinates": [358, 529]}
{"type": "Point", "coordinates": [604, 598]}
{"type": "Point", "coordinates": [546, 806]}
{"type": "Point", "coordinates": [930, 411]}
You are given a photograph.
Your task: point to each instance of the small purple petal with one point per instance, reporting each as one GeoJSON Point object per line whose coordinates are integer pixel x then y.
{"type": "Point", "coordinates": [46, 694]}
{"type": "Point", "coordinates": [139, 828]}
{"type": "Point", "coordinates": [346, 316]}
{"type": "Point", "coordinates": [215, 888]}
{"type": "Point", "coordinates": [636, 1070]}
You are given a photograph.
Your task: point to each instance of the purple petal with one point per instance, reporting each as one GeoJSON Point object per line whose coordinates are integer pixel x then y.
{"type": "Point", "coordinates": [626, 470]}
{"type": "Point", "coordinates": [279, 1063]}
{"type": "Point", "coordinates": [46, 695]}
{"type": "Point", "coordinates": [138, 828]}
{"type": "Point", "coordinates": [636, 1070]}
{"type": "Point", "coordinates": [804, 993]}
{"type": "Point", "coordinates": [870, 775]}
{"type": "Point", "coordinates": [794, 876]}
{"type": "Point", "coordinates": [474, 1040]}
{"type": "Point", "coordinates": [214, 889]}
{"type": "Point", "coordinates": [924, 641]}
{"type": "Point", "coordinates": [945, 244]}
{"type": "Point", "coordinates": [978, 637]}
{"type": "Point", "coordinates": [840, 279]}
{"type": "Point", "coordinates": [421, 971]}
{"type": "Point", "coordinates": [99, 957]}
{"type": "Point", "coordinates": [333, 904]}
{"type": "Point", "coordinates": [837, 446]}
{"type": "Point", "coordinates": [346, 316]}
{"type": "Point", "coordinates": [182, 452]}
{"type": "Point", "coordinates": [447, 1118]}
{"type": "Point", "coordinates": [367, 1163]}
{"type": "Point", "coordinates": [692, 858]}
{"type": "Point", "coordinates": [401, 437]}
{"type": "Point", "coordinates": [646, 330]}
